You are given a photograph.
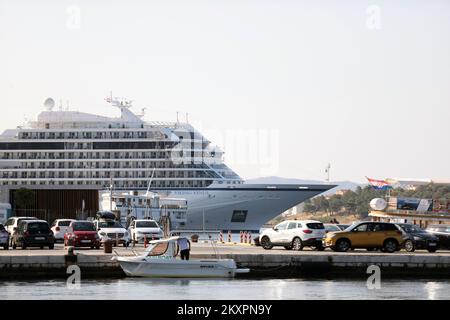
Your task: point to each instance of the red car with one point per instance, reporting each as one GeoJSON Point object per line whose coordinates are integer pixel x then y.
{"type": "Point", "coordinates": [82, 234]}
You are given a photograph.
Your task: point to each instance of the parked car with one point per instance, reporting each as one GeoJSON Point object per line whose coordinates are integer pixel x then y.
{"type": "Point", "coordinates": [59, 228]}
{"type": "Point", "coordinates": [139, 229]}
{"type": "Point", "coordinates": [112, 230]}
{"type": "Point", "coordinates": [442, 232]}
{"type": "Point", "coordinates": [418, 238]}
{"type": "Point", "coordinates": [82, 234]}
{"type": "Point", "coordinates": [368, 235]}
{"type": "Point", "coordinates": [33, 233]}
{"type": "Point", "coordinates": [4, 237]}
{"type": "Point", "coordinates": [331, 227]}
{"type": "Point", "coordinates": [12, 223]}
{"type": "Point", "coordinates": [293, 234]}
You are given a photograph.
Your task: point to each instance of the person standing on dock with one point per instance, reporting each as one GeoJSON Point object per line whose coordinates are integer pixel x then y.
{"type": "Point", "coordinates": [185, 248]}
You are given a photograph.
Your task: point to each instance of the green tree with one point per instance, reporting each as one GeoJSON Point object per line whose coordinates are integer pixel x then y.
{"type": "Point", "coordinates": [336, 203]}
{"type": "Point", "coordinates": [321, 203]}
{"type": "Point", "coordinates": [24, 197]}
{"type": "Point", "coordinates": [309, 206]}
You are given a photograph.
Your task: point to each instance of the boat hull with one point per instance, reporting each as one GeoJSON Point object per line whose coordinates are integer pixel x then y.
{"type": "Point", "coordinates": [172, 268]}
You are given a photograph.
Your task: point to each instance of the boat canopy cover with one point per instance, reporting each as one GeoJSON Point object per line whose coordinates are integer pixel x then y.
{"type": "Point", "coordinates": [171, 239]}
{"type": "Point", "coordinates": [163, 247]}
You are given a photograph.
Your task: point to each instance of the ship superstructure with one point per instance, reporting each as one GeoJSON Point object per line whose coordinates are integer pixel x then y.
{"type": "Point", "coordinates": [74, 150]}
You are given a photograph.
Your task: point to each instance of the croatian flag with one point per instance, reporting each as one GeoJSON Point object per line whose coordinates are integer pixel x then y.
{"type": "Point", "coordinates": [379, 184]}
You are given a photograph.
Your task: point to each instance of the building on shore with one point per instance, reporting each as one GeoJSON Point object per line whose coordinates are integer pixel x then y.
{"type": "Point", "coordinates": [414, 183]}
{"type": "Point", "coordinates": [422, 212]}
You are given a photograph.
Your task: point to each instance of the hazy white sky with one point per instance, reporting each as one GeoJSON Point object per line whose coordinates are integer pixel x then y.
{"type": "Point", "coordinates": [364, 85]}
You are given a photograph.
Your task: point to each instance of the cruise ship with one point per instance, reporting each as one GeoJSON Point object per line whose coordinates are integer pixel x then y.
{"type": "Point", "coordinates": [69, 158]}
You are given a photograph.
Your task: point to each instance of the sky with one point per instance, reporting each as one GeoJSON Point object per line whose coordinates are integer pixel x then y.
{"type": "Point", "coordinates": [283, 87]}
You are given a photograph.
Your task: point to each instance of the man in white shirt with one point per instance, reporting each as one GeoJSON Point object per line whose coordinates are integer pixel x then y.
{"type": "Point", "coordinates": [185, 248]}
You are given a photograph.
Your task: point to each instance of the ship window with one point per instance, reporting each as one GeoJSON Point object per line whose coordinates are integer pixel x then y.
{"type": "Point", "coordinates": [239, 216]}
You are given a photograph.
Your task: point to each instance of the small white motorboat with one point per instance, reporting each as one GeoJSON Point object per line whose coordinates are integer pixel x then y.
{"type": "Point", "coordinates": [159, 260]}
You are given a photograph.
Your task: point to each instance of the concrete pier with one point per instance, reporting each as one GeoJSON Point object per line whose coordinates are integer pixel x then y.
{"type": "Point", "coordinates": [276, 263]}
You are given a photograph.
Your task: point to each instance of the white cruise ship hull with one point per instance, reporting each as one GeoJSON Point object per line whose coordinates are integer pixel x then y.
{"type": "Point", "coordinates": [245, 207]}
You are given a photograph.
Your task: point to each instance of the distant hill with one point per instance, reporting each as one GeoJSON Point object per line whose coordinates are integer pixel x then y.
{"type": "Point", "coordinates": [341, 185]}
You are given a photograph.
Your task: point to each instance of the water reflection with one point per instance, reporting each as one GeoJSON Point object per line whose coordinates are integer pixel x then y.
{"type": "Point", "coordinates": [206, 289]}
{"type": "Point", "coordinates": [432, 288]}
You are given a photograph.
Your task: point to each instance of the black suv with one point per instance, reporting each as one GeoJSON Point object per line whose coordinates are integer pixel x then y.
{"type": "Point", "coordinates": [441, 231]}
{"type": "Point", "coordinates": [33, 233]}
{"type": "Point", "coordinates": [418, 238]}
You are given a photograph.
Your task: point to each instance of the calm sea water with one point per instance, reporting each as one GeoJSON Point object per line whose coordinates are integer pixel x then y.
{"type": "Point", "coordinates": [169, 289]}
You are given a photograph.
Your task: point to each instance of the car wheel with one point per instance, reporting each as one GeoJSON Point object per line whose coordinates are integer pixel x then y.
{"type": "Point", "coordinates": [51, 246]}
{"type": "Point", "coordinates": [432, 250]}
{"type": "Point", "coordinates": [297, 244]}
{"type": "Point", "coordinates": [24, 246]}
{"type": "Point", "coordinates": [266, 244]}
{"type": "Point", "coordinates": [41, 247]}
{"type": "Point", "coordinates": [6, 246]}
{"type": "Point", "coordinates": [409, 246]}
{"type": "Point", "coordinates": [343, 245]}
{"type": "Point", "coordinates": [390, 246]}
{"type": "Point", "coordinates": [97, 247]}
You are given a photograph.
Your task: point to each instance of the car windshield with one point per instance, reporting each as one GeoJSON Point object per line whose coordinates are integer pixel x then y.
{"type": "Point", "coordinates": [64, 223]}
{"type": "Point", "coordinates": [38, 226]}
{"type": "Point", "coordinates": [350, 227]}
{"type": "Point", "coordinates": [332, 227]}
{"type": "Point", "coordinates": [146, 224]}
{"type": "Point", "coordinates": [316, 226]}
{"type": "Point", "coordinates": [83, 226]}
{"type": "Point", "coordinates": [410, 228]}
{"type": "Point", "coordinates": [109, 224]}
{"type": "Point", "coordinates": [281, 226]}
{"type": "Point", "coordinates": [23, 219]}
